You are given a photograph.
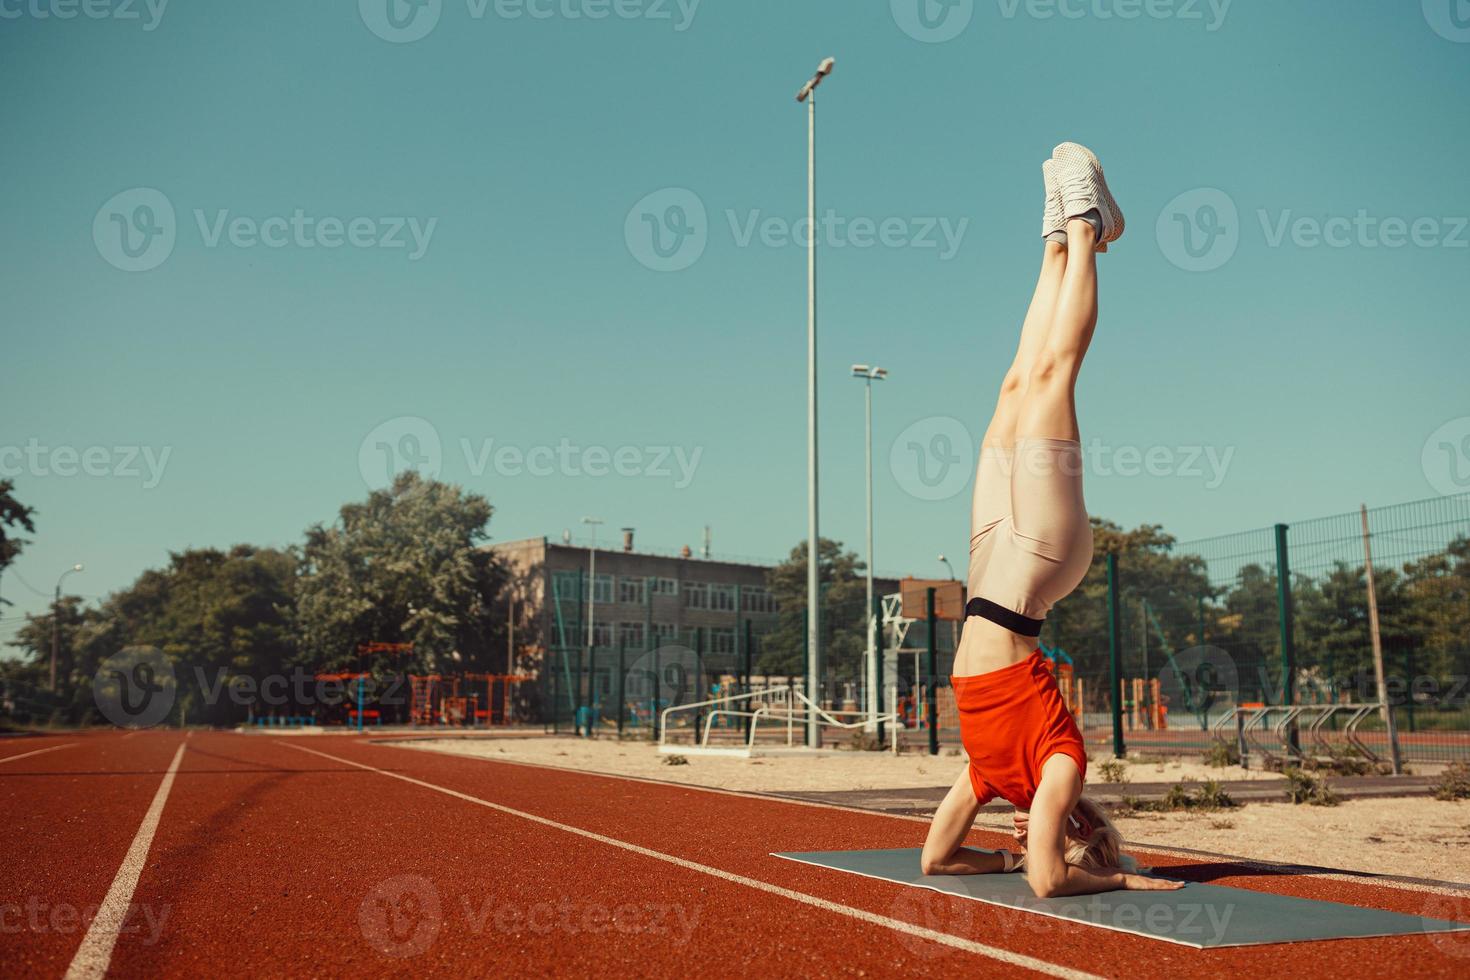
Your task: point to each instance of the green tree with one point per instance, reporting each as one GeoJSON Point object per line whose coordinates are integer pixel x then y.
{"type": "Point", "coordinates": [405, 566]}
{"type": "Point", "coordinates": [14, 516]}
{"type": "Point", "coordinates": [841, 577]}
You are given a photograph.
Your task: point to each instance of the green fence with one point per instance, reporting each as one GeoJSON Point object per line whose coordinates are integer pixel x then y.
{"type": "Point", "coordinates": [1279, 618]}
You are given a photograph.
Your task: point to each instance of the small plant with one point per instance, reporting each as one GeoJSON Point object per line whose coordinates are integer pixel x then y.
{"type": "Point", "coordinates": [1114, 771]}
{"type": "Point", "coordinates": [675, 760]}
{"type": "Point", "coordinates": [1208, 798]}
{"type": "Point", "coordinates": [1222, 824]}
{"type": "Point", "coordinates": [1222, 754]}
{"type": "Point", "coordinates": [1212, 796]}
{"type": "Point", "coordinates": [1304, 787]}
{"type": "Point", "coordinates": [1453, 783]}
{"type": "Point", "coordinates": [864, 742]}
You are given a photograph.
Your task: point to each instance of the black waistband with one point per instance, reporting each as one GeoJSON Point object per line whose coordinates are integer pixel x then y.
{"type": "Point", "coordinates": [1002, 616]}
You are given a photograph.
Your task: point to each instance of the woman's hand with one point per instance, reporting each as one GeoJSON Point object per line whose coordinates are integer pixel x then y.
{"type": "Point", "coordinates": [1142, 883]}
{"type": "Point", "coordinates": [1021, 818]}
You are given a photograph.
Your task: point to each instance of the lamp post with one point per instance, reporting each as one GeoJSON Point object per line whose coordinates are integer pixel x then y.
{"type": "Point", "coordinates": [948, 566]}
{"type": "Point", "coordinates": [808, 94]}
{"type": "Point", "coordinates": [591, 576]}
{"type": "Point", "coordinates": [868, 375]}
{"type": "Point", "coordinates": [56, 623]}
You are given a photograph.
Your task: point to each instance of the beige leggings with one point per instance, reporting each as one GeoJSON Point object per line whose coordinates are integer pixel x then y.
{"type": "Point", "coordinates": [1030, 539]}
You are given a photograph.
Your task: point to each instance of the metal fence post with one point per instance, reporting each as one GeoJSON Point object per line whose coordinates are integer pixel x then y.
{"type": "Point", "coordinates": [1115, 652]}
{"type": "Point", "coordinates": [1288, 648]}
{"type": "Point", "coordinates": [622, 673]}
{"type": "Point", "coordinates": [931, 664]}
{"type": "Point", "coordinates": [877, 614]}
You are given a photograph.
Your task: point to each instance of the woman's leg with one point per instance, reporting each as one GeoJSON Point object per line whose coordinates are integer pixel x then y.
{"type": "Point", "coordinates": [1001, 432]}
{"type": "Point", "coordinates": [1048, 409]}
{"type": "Point", "coordinates": [943, 851]}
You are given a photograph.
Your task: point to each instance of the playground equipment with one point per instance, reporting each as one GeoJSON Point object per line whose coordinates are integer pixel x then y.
{"type": "Point", "coordinates": [1068, 682]}
{"type": "Point", "coordinates": [1143, 704]}
{"type": "Point", "coordinates": [784, 705]}
{"type": "Point", "coordinates": [459, 699]}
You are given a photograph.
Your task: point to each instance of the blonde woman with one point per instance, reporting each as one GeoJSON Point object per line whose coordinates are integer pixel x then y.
{"type": "Point", "coordinates": [1030, 545]}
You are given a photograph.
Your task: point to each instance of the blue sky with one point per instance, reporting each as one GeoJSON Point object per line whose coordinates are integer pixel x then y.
{"type": "Point", "coordinates": [336, 228]}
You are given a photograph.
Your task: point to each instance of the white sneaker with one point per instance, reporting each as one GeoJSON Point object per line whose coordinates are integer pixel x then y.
{"type": "Point", "coordinates": [1053, 219]}
{"type": "Point", "coordinates": [1083, 188]}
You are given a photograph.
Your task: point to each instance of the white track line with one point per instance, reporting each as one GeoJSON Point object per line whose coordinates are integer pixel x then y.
{"type": "Point", "coordinates": [27, 755]}
{"type": "Point", "coordinates": [95, 953]}
{"type": "Point", "coordinates": [944, 938]}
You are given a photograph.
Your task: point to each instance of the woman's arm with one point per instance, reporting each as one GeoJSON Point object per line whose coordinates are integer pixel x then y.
{"type": "Point", "coordinates": [1045, 830]}
{"type": "Point", "coordinates": [944, 853]}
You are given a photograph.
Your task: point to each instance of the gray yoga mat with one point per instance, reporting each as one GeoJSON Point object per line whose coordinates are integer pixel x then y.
{"type": "Point", "coordinates": [1196, 915]}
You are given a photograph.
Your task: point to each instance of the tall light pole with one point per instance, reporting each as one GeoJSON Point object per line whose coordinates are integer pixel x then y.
{"type": "Point", "coordinates": [591, 576]}
{"type": "Point", "coordinates": [808, 94]}
{"type": "Point", "coordinates": [56, 623]}
{"type": "Point", "coordinates": [868, 376]}
{"type": "Point", "coordinates": [948, 566]}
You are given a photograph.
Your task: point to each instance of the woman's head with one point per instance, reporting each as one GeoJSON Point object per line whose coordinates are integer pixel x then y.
{"type": "Point", "coordinates": [1092, 840]}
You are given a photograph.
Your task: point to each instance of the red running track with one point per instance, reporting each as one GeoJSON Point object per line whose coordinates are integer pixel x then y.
{"type": "Point", "coordinates": [333, 855]}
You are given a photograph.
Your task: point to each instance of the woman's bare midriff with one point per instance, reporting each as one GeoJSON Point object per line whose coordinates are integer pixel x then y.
{"type": "Point", "coordinates": [986, 646]}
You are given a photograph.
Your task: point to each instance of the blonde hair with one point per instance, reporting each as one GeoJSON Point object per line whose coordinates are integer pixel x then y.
{"type": "Point", "coordinates": [1102, 847]}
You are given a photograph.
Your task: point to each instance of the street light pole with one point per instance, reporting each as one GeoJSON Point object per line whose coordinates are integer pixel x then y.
{"type": "Point", "coordinates": [591, 576]}
{"type": "Point", "coordinates": [868, 376]}
{"type": "Point", "coordinates": [948, 566]}
{"type": "Point", "coordinates": [56, 623]}
{"type": "Point", "coordinates": [808, 94]}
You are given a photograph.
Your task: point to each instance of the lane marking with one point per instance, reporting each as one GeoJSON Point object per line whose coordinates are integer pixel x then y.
{"type": "Point", "coordinates": [27, 755]}
{"type": "Point", "coordinates": [985, 822]}
{"type": "Point", "coordinates": [862, 915]}
{"type": "Point", "coordinates": [95, 952]}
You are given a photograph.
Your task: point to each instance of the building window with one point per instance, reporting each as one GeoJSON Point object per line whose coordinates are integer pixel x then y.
{"type": "Point", "coordinates": [665, 633]}
{"type": "Point", "coordinates": [566, 586]}
{"type": "Point", "coordinates": [757, 600]}
{"type": "Point", "coordinates": [665, 586]}
{"type": "Point", "coordinates": [722, 598]}
{"type": "Point", "coordinates": [602, 589]}
{"type": "Point", "coordinates": [631, 635]}
{"type": "Point", "coordinates": [721, 640]}
{"type": "Point", "coordinates": [630, 590]}
{"type": "Point", "coordinates": [602, 634]}
{"type": "Point", "coordinates": [696, 595]}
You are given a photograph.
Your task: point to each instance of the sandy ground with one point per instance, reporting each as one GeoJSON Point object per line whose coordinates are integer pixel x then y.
{"type": "Point", "coordinates": [1412, 836]}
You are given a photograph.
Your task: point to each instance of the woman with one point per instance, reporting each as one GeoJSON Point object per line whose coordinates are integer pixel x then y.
{"type": "Point", "coordinates": [1030, 545]}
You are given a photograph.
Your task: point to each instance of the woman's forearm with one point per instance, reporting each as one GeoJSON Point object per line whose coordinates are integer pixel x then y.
{"type": "Point", "coordinates": [1080, 881]}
